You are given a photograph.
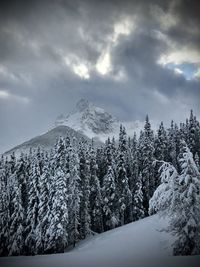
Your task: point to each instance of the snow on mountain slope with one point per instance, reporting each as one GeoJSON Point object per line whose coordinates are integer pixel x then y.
{"type": "Point", "coordinates": [95, 122]}
{"type": "Point", "coordinates": [142, 243]}
{"type": "Point", "coordinates": [47, 141]}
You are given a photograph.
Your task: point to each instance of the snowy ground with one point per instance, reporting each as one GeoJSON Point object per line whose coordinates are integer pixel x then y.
{"type": "Point", "coordinates": [139, 244]}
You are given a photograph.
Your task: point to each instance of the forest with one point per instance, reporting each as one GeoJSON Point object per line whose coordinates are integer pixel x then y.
{"type": "Point", "coordinates": [51, 200]}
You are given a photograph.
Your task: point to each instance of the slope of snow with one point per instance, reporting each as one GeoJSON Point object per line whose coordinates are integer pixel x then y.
{"type": "Point", "coordinates": [95, 122]}
{"type": "Point", "coordinates": [142, 243]}
{"type": "Point", "coordinates": [47, 140]}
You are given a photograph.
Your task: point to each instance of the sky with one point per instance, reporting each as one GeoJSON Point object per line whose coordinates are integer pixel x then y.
{"type": "Point", "coordinates": [130, 57]}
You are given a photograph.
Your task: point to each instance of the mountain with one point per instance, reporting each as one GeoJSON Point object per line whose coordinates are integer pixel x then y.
{"type": "Point", "coordinates": [47, 141]}
{"type": "Point", "coordinates": [95, 122]}
{"type": "Point", "coordinates": [142, 244]}
{"type": "Point", "coordinates": [86, 122]}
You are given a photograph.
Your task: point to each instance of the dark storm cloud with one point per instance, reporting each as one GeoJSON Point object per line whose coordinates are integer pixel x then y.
{"type": "Point", "coordinates": [186, 31]}
{"type": "Point", "coordinates": [41, 42]}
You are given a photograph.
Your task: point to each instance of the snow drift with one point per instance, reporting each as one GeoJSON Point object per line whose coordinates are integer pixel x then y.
{"type": "Point", "coordinates": [141, 243]}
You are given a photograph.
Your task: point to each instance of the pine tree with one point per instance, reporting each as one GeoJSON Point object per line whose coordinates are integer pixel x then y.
{"type": "Point", "coordinates": [138, 209]}
{"type": "Point", "coordinates": [85, 220]}
{"type": "Point", "coordinates": [74, 199]}
{"type": "Point", "coordinates": [16, 241]}
{"type": "Point", "coordinates": [161, 142]}
{"type": "Point", "coordinates": [191, 133]}
{"type": "Point", "coordinates": [32, 210]}
{"type": "Point", "coordinates": [4, 211]}
{"type": "Point", "coordinates": [146, 158]}
{"type": "Point", "coordinates": [16, 212]}
{"type": "Point", "coordinates": [43, 207]}
{"type": "Point", "coordinates": [135, 167]}
{"type": "Point", "coordinates": [172, 153]}
{"type": "Point", "coordinates": [22, 174]}
{"type": "Point", "coordinates": [56, 232]}
{"type": "Point", "coordinates": [187, 205]}
{"type": "Point", "coordinates": [179, 197]}
{"type": "Point", "coordinates": [95, 196]}
{"type": "Point", "coordinates": [160, 152]}
{"type": "Point", "coordinates": [101, 163]}
{"type": "Point", "coordinates": [124, 196]}
{"type": "Point", "coordinates": [109, 192]}
{"type": "Point", "coordinates": [11, 181]}
{"type": "Point", "coordinates": [162, 198]}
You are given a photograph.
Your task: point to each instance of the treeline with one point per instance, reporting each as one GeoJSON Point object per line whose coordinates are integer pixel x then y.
{"type": "Point", "coordinates": [50, 201]}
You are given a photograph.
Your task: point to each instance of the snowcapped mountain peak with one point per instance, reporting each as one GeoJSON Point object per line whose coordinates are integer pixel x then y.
{"type": "Point", "coordinates": [86, 107]}
{"type": "Point", "coordinates": [82, 104]}
{"type": "Point", "coordinates": [93, 121]}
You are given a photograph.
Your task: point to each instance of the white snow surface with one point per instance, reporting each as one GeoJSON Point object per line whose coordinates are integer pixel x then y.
{"type": "Point", "coordinates": [141, 243]}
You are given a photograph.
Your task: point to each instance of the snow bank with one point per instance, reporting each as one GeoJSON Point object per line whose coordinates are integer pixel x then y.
{"type": "Point", "coordinates": [141, 243]}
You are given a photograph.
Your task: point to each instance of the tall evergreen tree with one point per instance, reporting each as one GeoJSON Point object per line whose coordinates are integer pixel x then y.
{"type": "Point", "coordinates": [85, 220]}
{"type": "Point", "coordinates": [95, 196]}
{"type": "Point", "coordinates": [161, 143]}
{"type": "Point", "coordinates": [16, 241]}
{"type": "Point", "coordinates": [124, 195]}
{"type": "Point", "coordinates": [43, 207]}
{"type": "Point", "coordinates": [172, 154]}
{"type": "Point", "coordinates": [146, 158]}
{"type": "Point", "coordinates": [57, 230]}
{"type": "Point", "coordinates": [4, 211]}
{"type": "Point", "coordinates": [187, 205]}
{"type": "Point", "coordinates": [109, 191]}
{"type": "Point", "coordinates": [179, 197]}
{"type": "Point", "coordinates": [138, 209]}
{"type": "Point", "coordinates": [74, 198]}
{"type": "Point", "coordinates": [32, 210]}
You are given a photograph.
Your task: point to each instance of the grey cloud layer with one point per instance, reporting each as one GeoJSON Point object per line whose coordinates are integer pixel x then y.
{"type": "Point", "coordinates": [37, 36]}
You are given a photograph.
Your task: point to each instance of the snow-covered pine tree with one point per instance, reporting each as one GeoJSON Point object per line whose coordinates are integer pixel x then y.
{"type": "Point", "coordinates": [193, 134]}
{"type": "Point", "coordinates": [161, 200]}
{"type": "Point", "coordinates": [160, 152]}
{"type": "Point", "coordinates": [172, 154]}
{"type": "Point", "coordinates": [110, 217]}
{"type": "Point", "coordinates": [138, 209]}
{"type": "Point", "coordinates": [124, 195]}
{"type": "Point", "coordinates": [16, 240]}
{"type": "Point", "coordinates": [134, 163]}
{"type": "Point", "coordinates": [95, 196]}
{"type": "Point", "coordinates": [21, 172]}
{"type": "Point", "coordinates": [161, 143]}
{"type": "Point", "coordinates": [114, 148]}
{"type": "Point", "coordinates": [56, 233]}
{"type": "Point", "coordinates": [32, 209]}
{"type": "Point", "coordinates": [178, 197]}
{"type": "Point", "coordinates": [57, 230]}
{"type": "Point", "coordinates": [11, 180]}
{"type": "Point", "coordinates": [146, 158]}
{"type": "Point", "coordinates": [129, 166]}
{"type": "Point", "coordinates": [85, 191]}
{"type": "Point", "coordinates": [101, 163]}
{"type": "Point", "coordinates": [43, 207]}
{"type": "Point", "coordinates": [197, 136]}
{"type": "Point", "coordinates": [129, 159]}
{"type": "Point", "coordinates": [134, 182]}
{"type": "Point", "coordinates": [186, 205]}
{"type": "Point", "coordinates": [4, 210]}
{"type": "Point", "coordinates": [74, 198]}
{"type": "Point", "coordinates": [16, 212]}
